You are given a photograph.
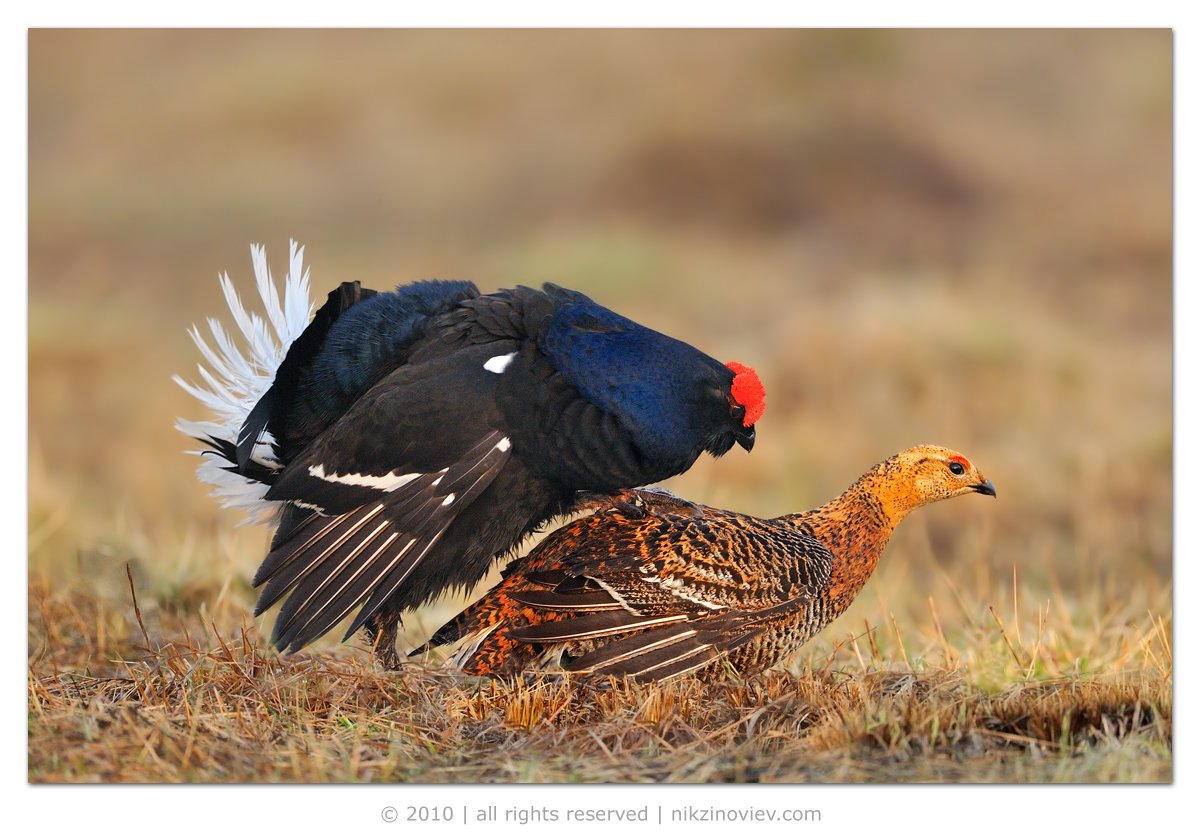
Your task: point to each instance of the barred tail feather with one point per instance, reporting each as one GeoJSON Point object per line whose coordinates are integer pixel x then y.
{"type": "Point", "coordinates": [236, 377]}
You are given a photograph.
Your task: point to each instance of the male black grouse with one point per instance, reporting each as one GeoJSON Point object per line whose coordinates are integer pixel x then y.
{"type": "Point", "coordinates": [409, 438]}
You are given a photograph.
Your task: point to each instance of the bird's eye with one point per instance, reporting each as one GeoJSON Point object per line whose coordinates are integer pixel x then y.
{"type": "Point", "coordinates": [956, 467]}
{"type": "Point", "coordinates": [738, 412]}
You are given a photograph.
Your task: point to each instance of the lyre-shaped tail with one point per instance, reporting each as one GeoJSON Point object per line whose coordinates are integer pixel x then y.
{"type": "Point", "coordinates": [238, 367]}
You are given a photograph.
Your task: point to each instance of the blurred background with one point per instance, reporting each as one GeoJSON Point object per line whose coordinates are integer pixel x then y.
{"type": "Point", "coordinates": [961, 237]}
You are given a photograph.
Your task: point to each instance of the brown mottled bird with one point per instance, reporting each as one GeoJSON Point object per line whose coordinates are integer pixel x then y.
{"type": "Point", "coordinates": [654, 587]}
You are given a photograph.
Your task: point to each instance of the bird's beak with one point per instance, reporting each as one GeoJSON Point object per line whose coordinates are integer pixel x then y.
{"type": "Point", "coordinates": [745, 437]}
{"type": "Point", "coordinates": [985, 488]}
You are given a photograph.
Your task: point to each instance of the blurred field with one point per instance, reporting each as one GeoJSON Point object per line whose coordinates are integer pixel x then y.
{"type": "Point", "coordinates": [951, 237]}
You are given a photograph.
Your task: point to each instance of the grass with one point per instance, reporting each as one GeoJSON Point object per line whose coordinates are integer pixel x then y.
{"type": "Point", "coordinates": [209, 705]}
{"type": "Point", "coordinates": [924, 236]}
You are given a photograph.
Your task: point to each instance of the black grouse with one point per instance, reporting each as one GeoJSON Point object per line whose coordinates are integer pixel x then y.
{"type": "Point", "coordinates": [656, 586]}
{"type": "Point", "coordinates": [407, 439]}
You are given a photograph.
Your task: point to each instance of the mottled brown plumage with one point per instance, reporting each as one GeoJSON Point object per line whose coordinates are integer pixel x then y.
{"type": "Point", "coordinates": [655, 587]}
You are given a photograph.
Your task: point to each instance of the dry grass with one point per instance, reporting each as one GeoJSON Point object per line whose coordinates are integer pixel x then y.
{"type": "Point", "coordinates": [199, 705]}
{"type": "Point", "coordinates": [951, 237]}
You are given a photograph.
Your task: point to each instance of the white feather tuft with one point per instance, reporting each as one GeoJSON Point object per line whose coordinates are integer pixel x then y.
{"type": "Point", "coordinates": [236, 376]}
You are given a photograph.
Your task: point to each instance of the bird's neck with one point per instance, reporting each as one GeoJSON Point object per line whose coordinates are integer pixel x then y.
{"type": "Point", "coordinates": [855, 527]}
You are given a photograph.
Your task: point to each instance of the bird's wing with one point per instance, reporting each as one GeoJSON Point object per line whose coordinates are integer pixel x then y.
{"type": "Point", "coordinates": [684, 647]}
{"type": "Point", "coordinates": [682, 593]}
{"type": "Point", "coordinates": [373, 494]}
{"type": "Point", "coordinates": [650, 645]}
{"type": "Point", "coordinates": [331, 563]}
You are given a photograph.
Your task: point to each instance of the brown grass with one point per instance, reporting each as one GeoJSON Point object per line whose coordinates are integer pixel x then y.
{"type": "Point", "coordinates": [926, 236]}
{"type": "Point", "coordinates": [200, 705]}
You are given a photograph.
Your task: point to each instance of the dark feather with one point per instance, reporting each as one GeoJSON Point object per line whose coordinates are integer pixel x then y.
{"type": "Point", "coordinates": [589, 626]}
{"type": "Point", "coordinates": [622, 649]}
{"type": "Point", "coordinates": [588, 601]}
{"type": "Point", "coordinates": [335, 563]}
{"type": "Point", "coordinates": [669, 668]}
{"type": "Point", "coordinates": [295, 365]}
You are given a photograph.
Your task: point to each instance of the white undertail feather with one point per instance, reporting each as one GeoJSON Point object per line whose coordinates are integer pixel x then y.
{"type": "Point", "coordinates": [237, 376]}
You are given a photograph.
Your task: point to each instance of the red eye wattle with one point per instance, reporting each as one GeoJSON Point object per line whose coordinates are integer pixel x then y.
{"type": "Point", "coordinates": [748, 391]}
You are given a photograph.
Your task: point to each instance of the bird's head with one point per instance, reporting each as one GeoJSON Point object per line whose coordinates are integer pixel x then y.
{"type": "Point", "coordinates": [924, 474]}
{"type": "Point", "coordinates": [714, 405]}
{"type": "Point", "coordinates": [677, 401]}
{"type": "Point", "coordinates": [745, 398]}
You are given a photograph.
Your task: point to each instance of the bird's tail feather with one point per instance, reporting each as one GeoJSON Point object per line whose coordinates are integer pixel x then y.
{"type": "Point", "coordinates": [240, 368]}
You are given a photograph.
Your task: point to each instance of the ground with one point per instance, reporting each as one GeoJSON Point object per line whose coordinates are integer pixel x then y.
{"type": "Point", "coordinates": [197, 705]}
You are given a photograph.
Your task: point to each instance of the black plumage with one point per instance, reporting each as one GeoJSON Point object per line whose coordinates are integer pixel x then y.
{"type": "Point", "coordinates": [414, 436]}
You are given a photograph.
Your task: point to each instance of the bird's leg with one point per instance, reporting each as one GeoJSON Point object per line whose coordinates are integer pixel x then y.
{"type": "Point", "coordinates": [381, 634]}
{"type": "Point", "coordinates": [624, 501]}
{"type": "Point", "coordinates": [639, 503]}
{"type": "Point", "coordinates": [657, 500]}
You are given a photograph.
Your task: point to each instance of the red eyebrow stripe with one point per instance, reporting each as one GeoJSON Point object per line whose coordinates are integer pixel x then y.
{"type": "Point", "coordinates": [966, 463]}
{"type": "Point", "coordinates": [748, 391]}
